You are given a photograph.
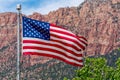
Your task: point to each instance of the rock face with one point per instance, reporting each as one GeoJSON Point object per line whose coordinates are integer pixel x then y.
{"type": "Point", "coordinates": [97, 20]}
{"type": "Point", "coordinates": [100, 19]}
{"type": "Point", "coordinates": [8, 18]}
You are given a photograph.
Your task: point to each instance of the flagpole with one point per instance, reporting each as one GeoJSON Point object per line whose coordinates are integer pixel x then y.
{"type": "Point", "coordinates": [18, 41]}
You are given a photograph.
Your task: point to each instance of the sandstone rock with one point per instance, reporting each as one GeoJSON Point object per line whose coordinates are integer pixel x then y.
{"type": "Point", "coordinates": [115, 1]}
{"type": "Point", "coordinates": [8, 18]}
{"type": "Point", "coordinates": [36, 16]}
{"type": "Point", "coordinates": [97, 20]}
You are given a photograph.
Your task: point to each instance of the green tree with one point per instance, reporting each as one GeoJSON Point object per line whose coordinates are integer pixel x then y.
{"type": "Point", "coordinates": [97, 69]}
{"type": "Point", "coordinates": [117, 70]}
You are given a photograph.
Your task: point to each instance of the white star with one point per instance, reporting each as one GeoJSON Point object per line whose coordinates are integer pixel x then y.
{"type": "Point", "coordinates": [25, 35]}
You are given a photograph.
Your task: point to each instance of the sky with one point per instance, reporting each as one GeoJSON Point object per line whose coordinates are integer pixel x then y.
{"type": "Point", "coordinates": [40, 6]}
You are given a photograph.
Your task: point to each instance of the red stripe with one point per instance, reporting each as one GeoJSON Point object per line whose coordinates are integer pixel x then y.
{"type": "Point", "coordinates": [69, 34]}
{"type": "Point", "coordinates": [67, 44]}
{"type": "Point", "coordinates": [83, 42]}
{"type": "Point", "coordinates": [53, 56]}
{"type": "Point", "coordinates": [63, 32]}
{"type": "Point", "coordinates": [62, 37]}
{"type": "Point", "coordinates": [56, 45]}
{"type": "Point", "coordinates": [82, 38]}
{"type": "Point", "coordinates": [53, 25]}
{"type": "Point", "coordinates": [51, 50]}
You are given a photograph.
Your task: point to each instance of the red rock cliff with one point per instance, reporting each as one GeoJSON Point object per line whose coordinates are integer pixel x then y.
{"type": "Point", "coordinates": [97, 20]}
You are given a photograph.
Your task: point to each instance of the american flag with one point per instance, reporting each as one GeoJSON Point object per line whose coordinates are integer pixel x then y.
{"type": "Point", "coordinates": [45, 39]}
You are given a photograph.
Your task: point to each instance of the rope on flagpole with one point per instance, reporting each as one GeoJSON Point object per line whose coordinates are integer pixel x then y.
{"type": "Point", "coordinates": [18, 42]}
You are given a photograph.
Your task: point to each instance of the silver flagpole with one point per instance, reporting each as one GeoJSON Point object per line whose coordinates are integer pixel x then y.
{"type": "Point", "coordinates": [18, 42]}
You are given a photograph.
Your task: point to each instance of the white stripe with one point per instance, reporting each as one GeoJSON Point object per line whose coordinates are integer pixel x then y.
{"type": "Point", "coordinates": [54, 48]}
{"type": "Point", "coordinates": [60, 29]}
{"type": "Point", "coordinates": [73, 38]}
{"type": "Point", "coordinates": [48, 52]}
{"type": "Point", "coordinates": [63, 30]}
{"type": "Point", "coordinates": [66, 41]}
{"type": "Point", "coordinates": [52, 42]}
{"type": "Point", "coordinates": [83, 40]}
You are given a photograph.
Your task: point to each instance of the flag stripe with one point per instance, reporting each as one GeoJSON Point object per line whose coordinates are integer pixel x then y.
{"type": "Point", "coordinates": [64, 35]}
{"type": "Point", "coordinates": [61, 29]}
{"type": "Point", "coordinates": [65, 46]}
{"type": "Point", "coordinates": [81, 37]}
{"type": "Point", "coordinates": [65, 39]}
{"type": "Point", "coordinates": [52, 53]}
{"type": "Point", "coordinates": [65, 42]}
{"type": "Point", "coordinates": [80, 64]}
{"type": "Point", "coordinates": [52, 47]}
{"type": "Point", "coordinates": [70, 35]}
{"type": "Point", "coordinates": [59, 35]}
{"type": "Point", "coordinates": [51, 50]}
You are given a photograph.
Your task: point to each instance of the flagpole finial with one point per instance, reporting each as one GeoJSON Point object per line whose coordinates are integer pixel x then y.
{"type": "Point", "coordinates": [18, 7]}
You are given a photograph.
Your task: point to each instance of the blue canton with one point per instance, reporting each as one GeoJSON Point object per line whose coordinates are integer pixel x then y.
{"type": "Point", "coordinates": [35, 29]}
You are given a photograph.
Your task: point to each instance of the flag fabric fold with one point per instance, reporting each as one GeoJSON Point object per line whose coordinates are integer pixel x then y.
{"type": "Point", "coordinates": [45, 39]}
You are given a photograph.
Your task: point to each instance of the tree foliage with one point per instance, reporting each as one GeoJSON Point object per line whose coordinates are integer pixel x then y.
{"type": "Point", "coordinates": [97, 69]}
